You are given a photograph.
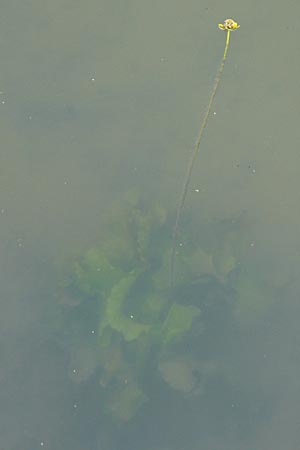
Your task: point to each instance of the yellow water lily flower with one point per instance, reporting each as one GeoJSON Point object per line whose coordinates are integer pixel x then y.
{"type": "Point", "coordinates": [229, 24]}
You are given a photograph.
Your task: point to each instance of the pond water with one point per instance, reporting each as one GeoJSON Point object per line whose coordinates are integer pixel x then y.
{"type": "Point", "coordinates": [100, 105]}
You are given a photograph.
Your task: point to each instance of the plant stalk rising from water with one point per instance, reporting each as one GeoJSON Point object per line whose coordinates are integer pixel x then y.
{"type": "Point", "coordinates": [228, 25]}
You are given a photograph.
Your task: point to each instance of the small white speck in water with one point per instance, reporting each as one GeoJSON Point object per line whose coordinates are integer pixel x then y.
{"type": "Point", "coordinates": [20, 242]}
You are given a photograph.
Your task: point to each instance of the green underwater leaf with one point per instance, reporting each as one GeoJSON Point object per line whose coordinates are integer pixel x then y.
{"type": "Point", "coordinates": [195, 264]}
{"type": "Point", "coordinates": [114, 316]}
{"type": "Point", "coordinates": [120, 251]}
{"type": "Point", "coordinates": [161, 277]}
{"type": "Point", "coordinates": [126, 402]}
{"type": "Point", "coordinates": [153, 305]}
{"type": "Point", "coordinates": [224, 259]}
{"type": "Point", "coordinates": [231, 240]}
{"type": "Point", "coordinates": [185, 373]}
{"type": "Point", "coordinates": [179, 320]}
{"type": "Point", "coordinates": [130, 229]}
{"type": "Point", "coordinates": [95, 275]}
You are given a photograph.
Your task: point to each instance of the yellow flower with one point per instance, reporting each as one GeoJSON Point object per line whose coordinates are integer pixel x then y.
{"type": "Point", "coordinates": [229, 24]}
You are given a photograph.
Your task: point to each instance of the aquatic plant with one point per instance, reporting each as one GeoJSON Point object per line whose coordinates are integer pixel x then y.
{"type": "Point", "coordinates": [142, 323]}
{"type": "Point", "coordinates": [228, 25]}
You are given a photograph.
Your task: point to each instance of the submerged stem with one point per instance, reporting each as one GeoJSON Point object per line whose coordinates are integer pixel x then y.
{"type": "Point", "coordinates": [228, 26]}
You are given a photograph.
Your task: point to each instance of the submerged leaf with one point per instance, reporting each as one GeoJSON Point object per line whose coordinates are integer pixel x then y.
{"type": "Point", "coordinates": [153, 306]}
{"type": "Point", "coordinates": [224, 259]}
{"type": "Point", "coordinates": [127, 402]}
{"type": "Point", "coordinates": [95, 275]}
{"type": "Point", "coordinates": [179, 320]}
{"type": "Point", "coordinates": [186, 374]}
{"type": "Point", "coordinates": [179, 374]}
{"type": "Point", "coordinates": [114, 316]}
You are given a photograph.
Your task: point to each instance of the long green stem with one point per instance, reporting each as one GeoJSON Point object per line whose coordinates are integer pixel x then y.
{"type": "Point", "coordinates": [193, 159]}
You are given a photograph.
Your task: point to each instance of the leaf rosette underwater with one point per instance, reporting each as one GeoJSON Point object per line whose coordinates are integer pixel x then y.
{"type": "Point", "coordinates": [144, 326]}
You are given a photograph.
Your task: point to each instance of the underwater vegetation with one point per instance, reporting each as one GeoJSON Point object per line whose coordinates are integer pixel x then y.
{"type": "Point", "coordinates": [151, 335]}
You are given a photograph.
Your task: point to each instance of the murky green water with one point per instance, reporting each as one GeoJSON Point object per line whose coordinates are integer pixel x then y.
{"type": "Point", "coordinates": [100, 104]}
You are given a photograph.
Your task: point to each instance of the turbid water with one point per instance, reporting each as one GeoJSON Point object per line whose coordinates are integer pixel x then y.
{"type": "Point", "coordinates": [102, 98]}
